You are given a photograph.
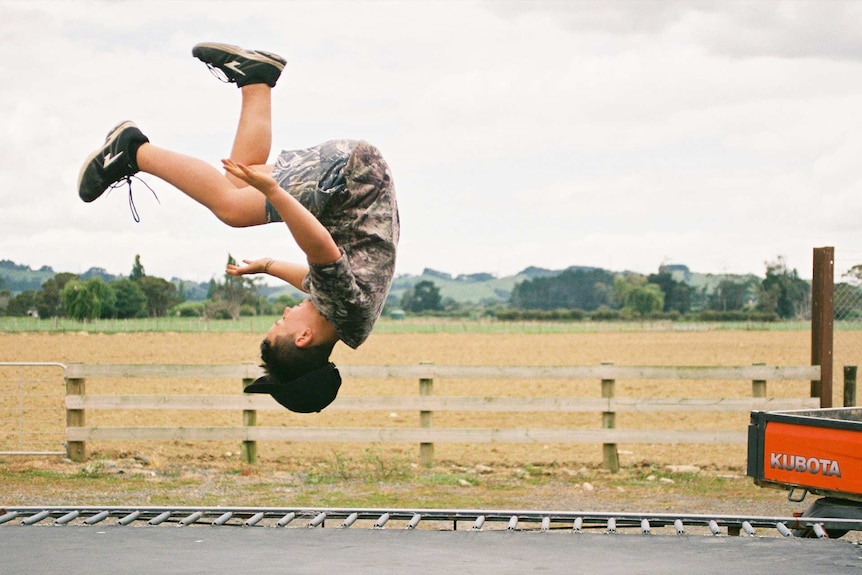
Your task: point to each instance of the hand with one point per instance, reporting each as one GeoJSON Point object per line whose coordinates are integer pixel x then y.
{"type": "Point", "coordinates": [258, 178]}
{"type": "Point", "coordinates": [250, 267]}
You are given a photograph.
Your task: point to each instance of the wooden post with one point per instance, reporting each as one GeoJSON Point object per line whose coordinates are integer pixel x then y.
{"type": "Point", "coordinates": [849, 386]}
{"type": "Point", "coordinates": [610, 455]}
{"type": "Point", "coordinates": [248, 449]}
{"type": "Point", "coordinates": [75, 450]}
{"type": "Point", "coordinates": [758, 386]}
{"type": "Point", "coordinates": [822, 319]}
{"type": "Point", "coordinates": [426, 450]}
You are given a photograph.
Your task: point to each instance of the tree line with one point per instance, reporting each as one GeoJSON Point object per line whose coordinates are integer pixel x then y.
{"type": "Point", "coordinates": [574, 294]}
{"type": "Point", "coordinates": [138, 295]}
{"type": "Point", "coordinates": [578, 293]}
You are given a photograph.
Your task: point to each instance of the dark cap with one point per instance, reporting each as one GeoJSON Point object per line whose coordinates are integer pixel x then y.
{"type": "Point", "coordinates": [308, 393]}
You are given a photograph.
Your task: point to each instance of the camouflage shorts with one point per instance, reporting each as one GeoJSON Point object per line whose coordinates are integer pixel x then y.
{"type": "Point", "coordinates": [312, 175]}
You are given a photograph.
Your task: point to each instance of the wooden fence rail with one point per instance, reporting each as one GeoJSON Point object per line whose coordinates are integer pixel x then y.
{"type": "Point", "coordinates": [78, 402]}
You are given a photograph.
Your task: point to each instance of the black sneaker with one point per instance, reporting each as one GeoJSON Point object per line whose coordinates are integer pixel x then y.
{"type": "Point", "coordinates": [234, 64]}
{"type": "Point", "coordinates": [114, 162]}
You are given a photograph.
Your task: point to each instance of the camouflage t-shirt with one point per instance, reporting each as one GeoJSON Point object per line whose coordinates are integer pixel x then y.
{"type": "Point", "coordinates": [347, 185]}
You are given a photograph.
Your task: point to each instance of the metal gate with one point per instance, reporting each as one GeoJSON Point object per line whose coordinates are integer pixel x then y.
{"type": "Point", "coordinates": [32, 413]}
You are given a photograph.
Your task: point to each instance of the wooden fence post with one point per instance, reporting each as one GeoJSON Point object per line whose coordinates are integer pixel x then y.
{"type": "Point", "coordinates": [249, 419]}
{"type": "Point", "coordinates": [610, 455]}
{"type": "Point", "coordinates": [75, 450]}
{"type": "Point", "coordinates": [758, 386]}
{"type": "Point", "coordinates": [426, 450]}
{"type": "Point", "coordinates": [822, 322]}
{"type": "Point", "coordinates": [849, 386]}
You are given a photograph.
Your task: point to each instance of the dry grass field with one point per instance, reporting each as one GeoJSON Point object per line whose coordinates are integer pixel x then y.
{"type": "Point", "coordinates": [641, 348]}
{"type": "Point", "coordinates": [510, 475]}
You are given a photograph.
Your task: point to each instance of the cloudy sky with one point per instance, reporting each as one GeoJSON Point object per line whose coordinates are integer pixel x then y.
{"type": "Point", "coordinates": [613, 134]}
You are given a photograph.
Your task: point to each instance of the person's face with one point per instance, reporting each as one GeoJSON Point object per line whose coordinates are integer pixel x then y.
{"type": "Point", "coordinates": [294, 321]}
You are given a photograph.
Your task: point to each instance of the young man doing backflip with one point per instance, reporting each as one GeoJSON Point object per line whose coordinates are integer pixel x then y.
{"type": "Point", "coordinates": [337, 200]}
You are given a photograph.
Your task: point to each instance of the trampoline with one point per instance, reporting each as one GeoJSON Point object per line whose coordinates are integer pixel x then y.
{"type": "Point", "coordinates": [364, 541]}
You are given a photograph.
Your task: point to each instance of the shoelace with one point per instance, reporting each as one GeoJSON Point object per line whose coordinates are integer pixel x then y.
{"type": "Point", "coordinates": [128, 181]}
{"type": "Point", "coordinates": [218, 73]}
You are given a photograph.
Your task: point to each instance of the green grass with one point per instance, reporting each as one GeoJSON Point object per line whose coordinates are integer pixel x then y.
{"type": "Point", "coordinates": [259, 324]}
{"type": "Point", "coordinates": [160, 324]}
{"type": "Point", "coordinates": [364, 482]}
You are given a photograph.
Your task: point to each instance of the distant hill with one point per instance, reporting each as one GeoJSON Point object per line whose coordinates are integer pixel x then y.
{"type": "Point", "coordinates": [709, 282]}
{"type": "Point", "coordinates": [17, 278]}
{"type": "Point", "coordinates": [473, 288]}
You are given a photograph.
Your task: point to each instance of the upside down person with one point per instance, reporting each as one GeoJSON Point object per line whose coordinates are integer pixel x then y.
{"type": "Point", "coordinates": [337, 200]}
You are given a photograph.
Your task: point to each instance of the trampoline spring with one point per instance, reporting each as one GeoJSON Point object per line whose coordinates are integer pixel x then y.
{"type": "Point", "coordinates": [321, 517]}
{"type": "Point", "coordinates": [480, 521]}
{"type": "Point", "coordinates": [222, 519]}
{"type": "Point", "coordinates": [819, 531]}
{"type": "Point", "coordinates": [159, 519]}
{"type": "Point", "coordinates": [283, 522]}
{"type": "Point", "coordinates": [67, 517]}
{"type": "Point", "coordinates": [190, 519]}
{"type": "Point", "coordinates": [129, 518]}
{"type": "Point", "coordinates": [680, 528]}
{"type": "Point", "coordinates": [36, 518]}
{"type": "Point", "coordinates": [253, 520]}
{"type": "Point", "coordinates": [645, 527]}
{"type": "Point", "coordinates": [782, 528]}
{"type": "Point", "coordinates": [546, 523]}
{"type": "Point", "coordinates": [513, 523]}
{"type": "Point", "coordinates": [713, 526]}
{"type": "Point", "coordinates": [577, 524]}
{"type": "Point", "coordinates": [350, 520]}
{"type": "Point", "coordinates": [612, 525]}
{"type": "Point", "coordinates": [414, 521]}
{"type": "Point", "coordinates": [381, 521]}
{"type": "Point", "coordinates": [749, 530]}
{"type": "Point", "coordinates": [101, 515]}
{"type": "Point", "coordinates": [8, 517]}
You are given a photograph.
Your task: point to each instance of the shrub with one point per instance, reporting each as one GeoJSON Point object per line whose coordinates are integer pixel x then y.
{"type": "Point", "coordinates": [189, 309]}
{"type": "Point", "coordinates": [738, 315]}
{"type": "Point", "coordinates": [606, 314]}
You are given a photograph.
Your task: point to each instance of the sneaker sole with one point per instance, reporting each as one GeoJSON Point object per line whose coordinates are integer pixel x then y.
{"type": "Point", "coordinates": [257, 55]}
{"type": "Point", "coordinates": [112, 135]}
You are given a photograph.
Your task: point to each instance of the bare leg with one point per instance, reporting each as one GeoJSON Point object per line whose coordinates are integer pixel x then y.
{"type": "Point", "coordinates": [253, 141]}
{"type": "Point", "coordinates": [232, 201]}
{"type": "Point", "coordinates": [235, 206]}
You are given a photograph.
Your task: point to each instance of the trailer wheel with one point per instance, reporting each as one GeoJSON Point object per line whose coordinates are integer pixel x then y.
{"type": "Point", "coordinates": [832, 508]}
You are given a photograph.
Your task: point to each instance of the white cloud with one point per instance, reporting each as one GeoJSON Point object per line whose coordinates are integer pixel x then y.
{"type": "Point", "coordinates": [614, 134]}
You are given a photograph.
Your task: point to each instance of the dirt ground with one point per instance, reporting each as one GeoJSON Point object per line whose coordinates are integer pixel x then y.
{"type": "Point", "coordinates": [511, 476]}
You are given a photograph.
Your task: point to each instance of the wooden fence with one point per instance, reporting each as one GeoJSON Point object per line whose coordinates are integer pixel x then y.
{"type": "Point", "coordinates": [426, 404]}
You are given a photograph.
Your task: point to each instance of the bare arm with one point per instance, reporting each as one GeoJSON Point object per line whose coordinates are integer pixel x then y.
{"type": "Point", "coordinates": [290, 272]}
{"type": "Point", "coordinates": [310, 235]}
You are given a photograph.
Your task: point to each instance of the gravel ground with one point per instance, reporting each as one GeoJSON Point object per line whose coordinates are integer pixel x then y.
{"type": "Point", "coordinates": [131, 481]}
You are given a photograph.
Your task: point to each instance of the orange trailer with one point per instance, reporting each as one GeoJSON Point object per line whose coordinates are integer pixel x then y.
{"type": "Point", "coordinates": [816, 451]}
